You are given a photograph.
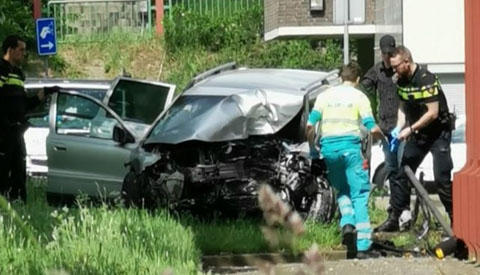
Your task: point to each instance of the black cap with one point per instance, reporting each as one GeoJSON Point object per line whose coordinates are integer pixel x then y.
{"type": "Point", "coordinates": [387, 44]}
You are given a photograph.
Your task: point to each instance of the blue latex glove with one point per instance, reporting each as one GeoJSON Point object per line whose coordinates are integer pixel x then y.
{"type": "Point", "coordinates": [314, 154]}
{"type": "Point", "coordinates": [395, 132]}
{"type": "Point", "coordinates": [393, 139]}
{"type": "Point", "coordinates": [394, 143]}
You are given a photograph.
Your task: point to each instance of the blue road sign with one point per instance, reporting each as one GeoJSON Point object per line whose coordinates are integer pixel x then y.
{"type": "Point", "coordinates": [46, 36]}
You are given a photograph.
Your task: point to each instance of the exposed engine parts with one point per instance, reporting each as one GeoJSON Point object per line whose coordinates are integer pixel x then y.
{"type": "Point", "coordinates": [228, 175]}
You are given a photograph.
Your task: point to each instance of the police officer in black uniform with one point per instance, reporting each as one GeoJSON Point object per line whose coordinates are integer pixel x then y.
{"type": "Point", "coordinates": [14, 105]}
{"type": "Point", "coordinates": [426, 126]}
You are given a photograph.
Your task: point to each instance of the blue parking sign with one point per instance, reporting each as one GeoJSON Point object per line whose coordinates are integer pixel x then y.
{"type": "Point", "coordinates": [46, 36]}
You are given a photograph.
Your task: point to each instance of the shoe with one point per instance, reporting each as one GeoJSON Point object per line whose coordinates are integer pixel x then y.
{"type": "Point", "coordinates": [390, 225]}
{"type": "Point", "coordinates": [368, 254]}
{"type": "Point", "coordinates": [349, 239]}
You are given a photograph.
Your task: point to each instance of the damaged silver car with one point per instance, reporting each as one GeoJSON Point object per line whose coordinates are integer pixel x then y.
{"type": "Point", "coordinates": [231, 130]}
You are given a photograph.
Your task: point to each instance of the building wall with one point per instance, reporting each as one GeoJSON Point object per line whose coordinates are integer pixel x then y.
{"type": "Point", "coordinates": [388, 20]}
{"type": "Point", "coordinates": [296, 13]}
{"type": "Point", "coordinates": [434, 31]}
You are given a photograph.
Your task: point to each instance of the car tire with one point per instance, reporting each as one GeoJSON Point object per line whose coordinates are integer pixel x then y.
{"type": "Point", "coordinates": [131, 191]}
{"type": "Point", "coordinates": [322, 205]}
{"type": "Point", "coordinates": [302, 126]}
{"type": "Point", "coordinates": [380, 180]}
{"type": "Point", "coordinates": [380, 186]}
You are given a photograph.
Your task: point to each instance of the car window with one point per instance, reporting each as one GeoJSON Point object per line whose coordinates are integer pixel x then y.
{"type": "Point", "coordinates": [138, 101]}
{"type": "Point", "coordinates": [80, 116]}
{"type": "Point", "coordinates": [458, 136]}
{"type": "Point", "coordinates": [38, 117]}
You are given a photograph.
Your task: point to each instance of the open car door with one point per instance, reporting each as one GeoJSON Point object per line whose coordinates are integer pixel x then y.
{"type": "Point", "coordinates": [83, 157]}
{"type": "Point", "coordinates": [139, 102]}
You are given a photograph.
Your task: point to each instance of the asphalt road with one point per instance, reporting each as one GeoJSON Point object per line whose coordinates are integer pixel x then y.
{"type": "Point", "coordinates": [390, 266]}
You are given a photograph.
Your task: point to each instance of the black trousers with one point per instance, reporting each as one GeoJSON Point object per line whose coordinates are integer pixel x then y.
{"type": "Point", "coordinates": [12, 164]}
{"type": "Point", "coordinates": [415, 151]}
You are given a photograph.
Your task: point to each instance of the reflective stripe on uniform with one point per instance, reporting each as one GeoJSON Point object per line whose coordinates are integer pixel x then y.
{"type": "Point", "coordinates": [341, 120]}
{"type": "Point", "coordinates": [419, 93]}
{"type": "Point", "coordinates": [14, 81]}
{"type": "Point", "coordinates": [346, 211]}
{"type": "Point", "coordinates": [363, 225]}
{"type": "Point", "coordinates": [361, 235]}
{"type": "Point", "coordinates": [344, 202]}
{"type": "Point", "coordinates": [3, 79]}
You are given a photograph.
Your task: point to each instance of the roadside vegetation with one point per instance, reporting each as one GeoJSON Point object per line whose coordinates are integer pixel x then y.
{"type": "Point", "coordinates": [192, 44]}
{"type": "Point", "coordinates": [109, 239]}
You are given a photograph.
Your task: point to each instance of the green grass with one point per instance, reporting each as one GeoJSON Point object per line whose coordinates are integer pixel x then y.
{"type": "Point", "coordinates": [245, 236]}
{"type": "Point", "coordinates": [106, 239]}
{"type": "Point", "coordinates": [407, 239]}
{"type": "Point", "coordinates": [94, 240]}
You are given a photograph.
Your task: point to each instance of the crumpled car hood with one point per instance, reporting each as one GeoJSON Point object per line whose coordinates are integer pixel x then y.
{"type": "Point", "coordinates": [237, 116]}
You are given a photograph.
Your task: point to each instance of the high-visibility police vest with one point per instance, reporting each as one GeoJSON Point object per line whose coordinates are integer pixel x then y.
{"type": "Point", "coordinates": [13, 99]}
{"type": "Point", "coordinates": [424, 87]}
{"type": "Point", "coordinates": [341, 110]}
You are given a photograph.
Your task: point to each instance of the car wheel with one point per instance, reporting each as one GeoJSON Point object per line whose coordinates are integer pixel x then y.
{"type": "Point", "coordinates": [131, 190]}
{"type": "Point", "coordinates": [322, 204]}
{"type": "Point", "coordinates": [380, 185]}
{"type": "Point", "coordinates": [380, 181]}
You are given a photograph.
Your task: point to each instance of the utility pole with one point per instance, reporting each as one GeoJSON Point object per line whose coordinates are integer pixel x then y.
{"type": "Point", "coordinates": [159, 16]}
{"type": "Point", "coordinates": [37, 9]}
{"type": "Point", "coordinates": [346, 53]}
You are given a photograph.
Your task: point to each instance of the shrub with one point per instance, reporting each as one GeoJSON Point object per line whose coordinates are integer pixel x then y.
{"type": "Point", "coordinates": [191, 29]}
{"type": "Point", "coordinates": [16, 18]}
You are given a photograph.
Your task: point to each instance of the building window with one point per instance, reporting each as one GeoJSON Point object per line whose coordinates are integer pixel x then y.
{"type": "Point", "coordinates": [316, 5]}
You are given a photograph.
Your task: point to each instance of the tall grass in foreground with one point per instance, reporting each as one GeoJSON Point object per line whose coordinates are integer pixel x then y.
{"type": "Point", "coordinates": [110, 239]}
{"type": "Point", "coordinates": [95, 240]}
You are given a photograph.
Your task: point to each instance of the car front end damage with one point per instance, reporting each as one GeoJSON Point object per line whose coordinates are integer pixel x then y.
{"type": "Point", "coordinates": [225, 137]}
{"type": "Point", "coordinates": [227, 176]}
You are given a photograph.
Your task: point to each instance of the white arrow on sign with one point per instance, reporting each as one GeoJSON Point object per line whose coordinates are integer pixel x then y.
{"type": "Point", "coordinates": [49, 45]}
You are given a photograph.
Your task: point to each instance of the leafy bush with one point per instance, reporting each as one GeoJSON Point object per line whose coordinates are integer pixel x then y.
{"type": "Point", "coordinates": [191, 29]}
{"type": "Point", "coordinates": [16, 18]}
{"type": "Point", "coordinates": [196, 42]}
{"type": "Point", "coordinates": [298, 54]}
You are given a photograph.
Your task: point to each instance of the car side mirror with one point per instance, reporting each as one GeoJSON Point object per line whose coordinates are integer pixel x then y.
{"type": "Point", "coordinates": [121, 135]}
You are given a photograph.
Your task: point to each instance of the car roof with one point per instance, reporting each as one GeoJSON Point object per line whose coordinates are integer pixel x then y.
{"type": "Point", "coordinates": [68, 83]}
{"type": "Point", "coordinates": [234, 81]}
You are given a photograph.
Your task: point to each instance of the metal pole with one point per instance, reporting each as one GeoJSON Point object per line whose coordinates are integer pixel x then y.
{"type": "Point", "coordinates": [424, 194]}
{"type": "Point", "coordinates": [37, 9]}
{"type": "Point", "coordinates": [159, 16]}
{"type": "Point", "coordinates": [149, 16]}
{"type": "Point", "coordinates": [346, 53]}
{"type": "Point", "coordinates": [46, 66]}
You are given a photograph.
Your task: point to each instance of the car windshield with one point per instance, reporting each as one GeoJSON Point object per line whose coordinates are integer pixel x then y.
{"type": "Point", "coordinates": [458, 136]}
{"type": "Point", "coordinates": [184, 110]}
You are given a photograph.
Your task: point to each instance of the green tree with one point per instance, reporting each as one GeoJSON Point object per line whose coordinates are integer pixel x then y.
{"type": "Point", "coordinates": [16, 18]}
